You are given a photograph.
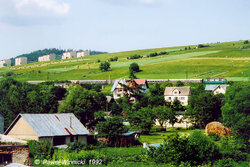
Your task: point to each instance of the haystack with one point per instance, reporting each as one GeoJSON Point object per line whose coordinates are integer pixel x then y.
{"type": "Point", "coordinates": [217, 128]}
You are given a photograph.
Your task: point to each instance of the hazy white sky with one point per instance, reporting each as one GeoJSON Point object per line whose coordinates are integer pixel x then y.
{"type": "Point", "coordinates": [118, 25]}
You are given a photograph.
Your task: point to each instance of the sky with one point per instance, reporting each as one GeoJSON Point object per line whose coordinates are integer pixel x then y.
{"type": "Point", "coordinates": [118, 25]}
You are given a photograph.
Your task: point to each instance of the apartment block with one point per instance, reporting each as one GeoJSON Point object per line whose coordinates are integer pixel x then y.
{"type": "Point", "coordinates": [83, 53]}
{"type": "Point", "coordinates": [21, 60]}
{"type": "Point", "coordinates": [69, 55]}
{"type": "Point", "coordinates": [5, 63]}
{"type": "Point", "coordinates": [47, 57]}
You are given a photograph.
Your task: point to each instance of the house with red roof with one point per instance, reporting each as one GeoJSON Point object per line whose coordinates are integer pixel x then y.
{"type": "Point", "coordinates": [119, 89]}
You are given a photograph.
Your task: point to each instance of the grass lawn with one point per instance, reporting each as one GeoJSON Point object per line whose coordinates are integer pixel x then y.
{"type": "Point", "coordinates": [158, 137]}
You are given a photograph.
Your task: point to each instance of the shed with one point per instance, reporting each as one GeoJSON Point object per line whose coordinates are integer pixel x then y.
{"type": "Point", "coordinates": [58, 129]}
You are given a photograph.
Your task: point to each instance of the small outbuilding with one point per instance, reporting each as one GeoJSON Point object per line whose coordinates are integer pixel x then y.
{"type": "Point", "coordinates": [216, 89]}
{"type": "Point", "coordinates": [58, 129]}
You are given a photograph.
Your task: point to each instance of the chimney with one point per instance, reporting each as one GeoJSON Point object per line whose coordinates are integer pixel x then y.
{"type": "Point", "coordinates": [70, 122]}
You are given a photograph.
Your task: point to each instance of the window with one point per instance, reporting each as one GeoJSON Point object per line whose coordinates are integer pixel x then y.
{"type": "Point", "coordinates": [169, 98]}
{"type": "Point", "coordinates": [217, 92]}
{"type": "Point", "coordinates": [182, 98]}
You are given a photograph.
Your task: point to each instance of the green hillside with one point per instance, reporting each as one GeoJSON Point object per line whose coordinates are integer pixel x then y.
{"type": "Point", "coordinates": [229, 60]}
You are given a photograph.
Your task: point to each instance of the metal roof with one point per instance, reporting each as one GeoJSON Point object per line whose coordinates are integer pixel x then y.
{"type": "Point", "coordinates": [123, 81]}
{"type": "Point", "coordinates": [213, 87]}
{"type": "Point", "coordinates": [45, 125]}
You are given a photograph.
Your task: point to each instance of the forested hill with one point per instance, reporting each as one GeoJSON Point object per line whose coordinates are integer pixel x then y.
{"type": "Point", "coordinates": [33, 56]}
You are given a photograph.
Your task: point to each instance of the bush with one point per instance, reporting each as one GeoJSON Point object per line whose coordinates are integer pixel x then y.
{"type": "Point", "coordinates": [246, 42]}
{"type": "Point", "coordinates": [179, 83]}
{"type": "Point", "coordinates": [104, 66]}
{"type": "Point", "coordinates": [113, 59]}
{"type": "Point", "coordinates": [9, 74]}
{"type": "Point", "coordinates": [78, 146]}
{"type": "Point", "coordinates": [194, 150]}
{"type": "Point", "coordinates": [214, 136]}
{"type": "Point", "coordinates": [153, 54]}
{"type": "Point", "coordinates": [202, 46]}
{"type": "Point", "coordinates": [135, 57]}
{"type": "Point", "coordinates": [40, 150]}
{"type": "Point", "coordinates": [163, 53]}
{"type": "Point", "coordinates": [134, 67]}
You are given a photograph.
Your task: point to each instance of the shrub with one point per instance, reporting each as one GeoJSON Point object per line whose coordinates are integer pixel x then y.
{"type": "Point", "coordinates": [135, 57]}
{"type": "Point", "coordinates": [194, 150]}
{"type": "Point", "coordinates": [179, 83]}
{"type": "Point", "coordinates": [40, 150]}
{"type": "Point", "coordinates": [246, 42]}
{"type": "Point", "coordinates": [214, 136]}
{"type": "Point", "coordinates": [9, 74]}
{"type": "Point", "coordinates": [78, 146]}
{"type": "Point", "coordinates": [152, 54]}
{"type": "Point", "coordinates": [202, 46]}
{"type": "Point", "coordinates": [134, 67]}
{"type": "Point", "coordinates": [104, 66]}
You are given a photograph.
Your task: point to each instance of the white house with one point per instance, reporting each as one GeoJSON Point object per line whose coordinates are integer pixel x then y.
{"type": "Point", "coordinates": [58, 129]}
{"type": "Point", "coordinates": [47, 57]}
{"type": "Point", "coordinates": [118, 89]}
{"type": "Point", "coordinates": [181, 93]}
{"type": "Point", "coordinates": [83, 53]}
{"type": "Point", "coordinates": [21, 60]}
{"type": "Point", "coordinates": [216, 89]}
{"type": "Point", "coordinates": [69, 55]}
{"type": "Point", "coordinates": [5, 63]}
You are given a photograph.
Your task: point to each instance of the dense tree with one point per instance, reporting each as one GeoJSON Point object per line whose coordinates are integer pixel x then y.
{"type": "Point", "coordinates": [156, 97]}
{"type": "Point", "coordinates": [83, 103]}
{"type": "Point", "coordinates": [115, 109]}
{"type": "Point", "coordinates": [143, 118]}
{"type": "Point", "coordinates": [17, 97]}
{"type": "Point", "coordinates": [111, 128]}
{"type": "Point", "coordinates": [236, 110]}
{"type": "Point", "coordinates": [104, 66]}
{"type": "Point", "coordinates": [179, 83]}
{"type": "Point", "coordinates": [204, 108]}
{"type": "Point", "coordinates": [164, 114]}
{"type": "Point", "coordinates": [134, 67]}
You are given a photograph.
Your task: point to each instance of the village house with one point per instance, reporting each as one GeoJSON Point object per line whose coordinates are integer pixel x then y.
{"type": "Point", "coordinates": [83, 53]}
{"type": "Point", "coordinates": [180, 93]}
{"type": "Point", "coordinates": [119, 90]}
{"type": "Point", "coordinates": [69, 55]}
{"type": "Point", "coordinates": [48, 57]}
{"type": "Point", "coordinates": [58, 129]}
{"type": "Point", "coordinates": [5, 63]}
{"type": "Point", "coordinates": [13, 150]}
{"type": "Point", "coordinates": [216, 89]}
{"type": "Point", "coordinates": [21, 60]}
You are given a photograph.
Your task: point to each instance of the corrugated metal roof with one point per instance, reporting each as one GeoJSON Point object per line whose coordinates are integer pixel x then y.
{"type": "Point", "coordinates": [213, 87]}
{"type": "Point", "coordinates": [55, 124]}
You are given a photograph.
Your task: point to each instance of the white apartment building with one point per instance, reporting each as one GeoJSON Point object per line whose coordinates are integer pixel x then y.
{"type": "Point", "coordinates": [83, 53]}
{"type": "Point", "coordinates": [47, 57]}
{"type": "Point", "coordinates": [69, 55]}
{"type": "Point", "coordinates": [21, 60]}
{"type": "Point", "coordinates": [5, 63]}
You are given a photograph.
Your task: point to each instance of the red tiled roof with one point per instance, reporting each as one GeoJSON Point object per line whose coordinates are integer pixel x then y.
{"type": "Point", "coordinates": [138, 82]}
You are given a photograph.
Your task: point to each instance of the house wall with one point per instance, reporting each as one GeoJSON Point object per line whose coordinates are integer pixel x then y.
{"type": "Point", "coordinates": [182, 99]}
{"type": "Point", "coordinates": [47, 57]}
{"type": "Point", "coordinates": [19, 154]}
{"type": "Point", "coordinates": [22, 130]}
{"type": "Point", "coordinates": [67, 139]}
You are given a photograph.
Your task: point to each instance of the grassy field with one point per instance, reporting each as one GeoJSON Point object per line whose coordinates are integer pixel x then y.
{"type": "Point", "coordinates": [158, 137]}
{"type": "Point", "coordinates": [228, 60]}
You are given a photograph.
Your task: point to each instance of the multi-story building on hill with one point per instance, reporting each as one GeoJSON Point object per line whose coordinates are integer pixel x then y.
{"type": "Point", "coordinates": [83, 53]}
{"type": "Point", "coordinates": [69, 55]}
{"type": "Point", "coordinates": [5, 63]}
{"type": "Point", "coordinates": [47, 57]}
{"type": "Point", "coordinates": [21, 60]}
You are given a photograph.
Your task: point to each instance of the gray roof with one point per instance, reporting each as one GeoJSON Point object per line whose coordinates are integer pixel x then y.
{"type": "Point", "coordinates": [52, 124]}
{"type": "Point", "coordinates": [123, 81]}
{"type": "Point", "coordinates": [213, 87]}
{"type": "Point", "coordinates": [183, 91]}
